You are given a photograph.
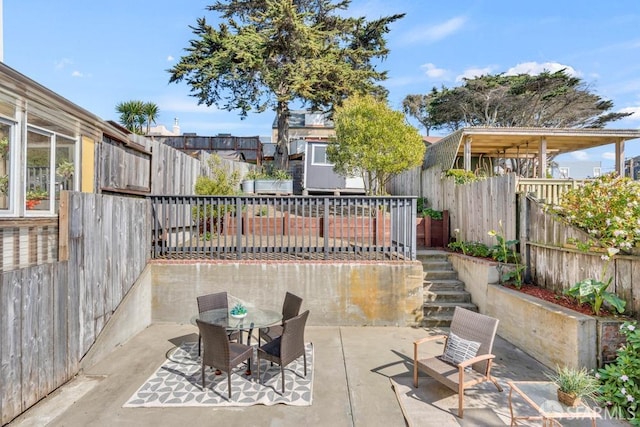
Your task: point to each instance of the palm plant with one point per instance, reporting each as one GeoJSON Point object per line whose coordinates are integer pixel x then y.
{"type": "Point", "coordinates": [151, 112]}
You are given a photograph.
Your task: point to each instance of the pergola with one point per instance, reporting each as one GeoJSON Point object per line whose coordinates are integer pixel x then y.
{"type": "Point", "coordinates": [519, 143]}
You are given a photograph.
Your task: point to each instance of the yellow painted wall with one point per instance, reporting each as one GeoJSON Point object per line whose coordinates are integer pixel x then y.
{"type": "Point", "coordinates": [87, 162]}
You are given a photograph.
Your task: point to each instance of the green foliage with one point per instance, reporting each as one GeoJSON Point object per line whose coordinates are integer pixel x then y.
{"type": "Point", "coordinates": [575, 381]}
{"type": "Point", "coordinates": [65, 169]}
{"type": "Point", "coordinates": [608, 208]}
{"type": "Point", "coordinates": [373, 141]}
{"type": "Point", "coordinates": [505, 252]}
{"type": "Point", "coordinates": [620, 381]}
{"type": "Point", "coordinates": [4, 147]}
{"type": "Point", "coordinates": [238, 310]}
{"type": "Point", "coordinates": [267, 54]}
{"type": "Point", "coordinates": [220, 182]}
{"type": "Point", "coordinates": [461, 176]}
{"type": "Point", "coordinates": [38, 193]}
{"type": "Point", "coordinates": [431, 213]}
{"type": "Point", "coordinates": [4, 185]}
{"type": "Point", "coordinates": [594, 291]}
{"type": "Point", "coordinates": [135, 114]}
{"type": "Point", "coordinates": [549, 99]}
{"type": "Point", "coordinates": [477, 249]}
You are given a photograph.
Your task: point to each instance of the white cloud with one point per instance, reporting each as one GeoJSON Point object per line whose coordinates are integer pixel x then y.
{"type": "Point", "coordinates": [580, 155]}
{"type": "Point", "coordinates": [170, 58]}
{"type": "Point", "coordinates": [635, 113]}
{"type": "Point", "coordinates": [609, 155]}
{"type": "Point", "coordinates": [432, 71]}
{"type": "Point", "coordinates": [535, 68]}
{"type": "Point", "coordinates": [432, 33]}
{"type": "Point", "coordinates": [59, 65]}
{"type": "Point", "coordinates": [474, 72]}
{"type": "Point", "coordinates": [77, 74]}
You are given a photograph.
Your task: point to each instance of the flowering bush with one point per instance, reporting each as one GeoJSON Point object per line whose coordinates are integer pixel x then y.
{"type": "Point", "coordinates": [608, 208]}
{"type": "Point", "coordinates": [620, 381]}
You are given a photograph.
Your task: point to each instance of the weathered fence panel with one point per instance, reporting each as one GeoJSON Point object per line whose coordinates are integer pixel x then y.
{"type": "Point", "coordinates": [555, 266]}
{"type": "Point", "coordinates": [51, 314]}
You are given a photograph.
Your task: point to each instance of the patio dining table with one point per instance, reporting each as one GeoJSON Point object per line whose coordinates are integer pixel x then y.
{"type": "Point", "coordinates": [255, 318]}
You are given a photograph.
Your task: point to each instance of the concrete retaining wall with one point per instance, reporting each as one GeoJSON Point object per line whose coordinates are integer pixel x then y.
{"type": "Point", "coordinates": [554, 335]}
{"type": "Point", "coordinates": [353, 294]}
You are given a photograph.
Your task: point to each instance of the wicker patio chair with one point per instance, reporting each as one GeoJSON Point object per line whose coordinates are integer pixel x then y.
{"type": "Point", "coordinates": [218, 352]}
{"type": "Point", "coordinates": [290, 308]}
{"type": "Point", "coordinates": [287, 347]}
{"type": "Point", "coordinates": [212, 302]}
{"type": "Point", "coordinates": [458, 368]}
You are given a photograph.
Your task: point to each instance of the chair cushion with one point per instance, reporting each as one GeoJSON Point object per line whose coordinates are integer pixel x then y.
{"type": "Point", "coordinates": [458, 349]}
{"type": "Point", "coordinates": [273, 347]}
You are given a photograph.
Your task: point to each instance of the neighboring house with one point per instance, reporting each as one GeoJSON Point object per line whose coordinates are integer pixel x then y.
{"type": "Point", "coordinates": [632, 168]}
{"type": "Point", "coordinates": [48, 144]}
{"type": "Point", "coordinates": [577, 170]}
{"type": "Point", "coordinates": [161, 130]}
{"type": "Point", "coordinates": [309, 135]}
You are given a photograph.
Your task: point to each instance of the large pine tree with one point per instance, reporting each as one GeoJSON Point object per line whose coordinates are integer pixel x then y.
{"type": "Point", "coordinates": [269, 53]}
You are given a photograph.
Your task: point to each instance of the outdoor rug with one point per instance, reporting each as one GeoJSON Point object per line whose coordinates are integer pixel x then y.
{"type": "Point", "coordinates": [178, 383]}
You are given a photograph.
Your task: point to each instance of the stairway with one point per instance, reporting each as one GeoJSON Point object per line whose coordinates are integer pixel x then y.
{"type": "Point", "coordinates": [442, 289]}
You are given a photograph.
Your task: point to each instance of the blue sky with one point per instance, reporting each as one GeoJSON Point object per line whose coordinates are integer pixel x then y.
{"type": "Point", "coordinates": [99, 54]}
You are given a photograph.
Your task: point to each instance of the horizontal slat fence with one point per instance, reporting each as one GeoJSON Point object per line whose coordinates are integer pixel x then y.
{"type": "Point", "coordinates": [51, 314]}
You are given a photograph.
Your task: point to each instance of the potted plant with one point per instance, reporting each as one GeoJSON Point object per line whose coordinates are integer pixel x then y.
{"type": "Point", "coordinates": [278, 181]}
{"type": "Point", "coordinates": [248, 182]}
{"type": "Point", "coordinates": [432, 226]}
{"type": "Point", "coordinates": [35, 196]}
{"type": "Point", "coordinates": [574, 384]}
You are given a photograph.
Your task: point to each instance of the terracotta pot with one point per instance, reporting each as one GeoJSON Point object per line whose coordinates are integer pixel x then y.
{"type": "Point", "coordinates": [568, 399]}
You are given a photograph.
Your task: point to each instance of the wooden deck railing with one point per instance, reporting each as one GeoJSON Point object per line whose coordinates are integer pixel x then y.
{"type": "Point", "coordinates": [293, 227]}
{"type": "Point", "coordinates": [548, 191]}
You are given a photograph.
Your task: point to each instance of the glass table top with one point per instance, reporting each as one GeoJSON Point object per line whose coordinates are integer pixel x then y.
{"type": "Point", "coordinates": [542, 395]}
{"type": "Point", "coordinates": [255, 318]}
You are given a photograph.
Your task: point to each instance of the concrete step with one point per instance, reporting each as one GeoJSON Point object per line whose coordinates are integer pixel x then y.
{"type": "Point", "coordinates": [440, 275]}
{"type": "Point", "coordinates": [437, 321]}
{"type": "Point", "coordinates": [431, 309]}
{"type": "Point", "coordinates": [443, 285]}
{"type": "Point", "coordinates": [439, 265]}
{"type": "Point", "coordinates": [447, 296]}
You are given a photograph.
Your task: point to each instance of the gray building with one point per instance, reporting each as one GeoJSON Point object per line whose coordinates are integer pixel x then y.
{"type": "Point", "coordinates": [577, 170]}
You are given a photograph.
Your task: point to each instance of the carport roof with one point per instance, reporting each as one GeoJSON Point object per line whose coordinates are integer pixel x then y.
{"type": "Point", "coordinates": [521, 142]}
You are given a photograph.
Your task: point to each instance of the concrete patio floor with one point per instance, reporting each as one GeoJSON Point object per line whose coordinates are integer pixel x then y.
{"type": "Point", "coordinates": [351, 387]}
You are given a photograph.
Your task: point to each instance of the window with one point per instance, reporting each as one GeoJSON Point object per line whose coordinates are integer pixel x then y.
{"type": "Point", "coordinates": [6, 138]}
{"type": "Point", "coordinates": [319, 156]}
{"type": "Point", "coordinates": [50, 168]}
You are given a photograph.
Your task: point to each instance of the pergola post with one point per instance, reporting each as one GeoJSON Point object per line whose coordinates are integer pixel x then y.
{"type": "Point", "coordinates": [620, 157]}
{"type": "Point", "coordinates": [467, 154]}
{"type": "Point", "coordinates": [542, 158]}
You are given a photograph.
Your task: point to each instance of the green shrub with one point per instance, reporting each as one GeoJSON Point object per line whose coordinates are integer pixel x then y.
{"type": "Point", "coordinates": [620, 381]}
{"type": "Point", "coordinates": [461, 176]}
{"type": "Point", "coordinates": [608, 208]}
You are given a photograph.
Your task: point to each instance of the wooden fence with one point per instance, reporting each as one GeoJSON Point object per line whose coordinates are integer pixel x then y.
{"type": "Point", "coordinates": [51, 314]}
{"type": "Point", "coordinates": [555, 266]}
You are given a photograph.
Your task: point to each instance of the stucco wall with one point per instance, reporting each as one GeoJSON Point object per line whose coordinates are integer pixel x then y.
{"type": "Point", "coordinates": [349, 294]}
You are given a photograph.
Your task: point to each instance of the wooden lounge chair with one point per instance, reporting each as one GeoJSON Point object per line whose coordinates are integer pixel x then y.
{"type": "Point", "coordinates": [469, 331]}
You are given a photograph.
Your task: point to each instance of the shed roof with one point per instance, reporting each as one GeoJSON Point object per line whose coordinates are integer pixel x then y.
{"type": "Point", "coordinates": [521, 142]}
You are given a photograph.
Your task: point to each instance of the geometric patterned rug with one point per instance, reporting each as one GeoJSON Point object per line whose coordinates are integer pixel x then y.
{"type": "Point", "coordinates": [178, 382]}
